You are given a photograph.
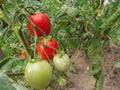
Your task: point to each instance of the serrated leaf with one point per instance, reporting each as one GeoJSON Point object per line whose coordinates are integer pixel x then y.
{"type": "Point", "coordinates": [94, 72]}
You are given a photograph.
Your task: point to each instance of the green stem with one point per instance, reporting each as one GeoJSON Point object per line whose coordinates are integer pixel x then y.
{"type": "Point", "coordinates": [52, 48]}
{"type": "Point", "coordinates": [27, 9]}
{"type": "Point", "coordinates": [45, 53]}
{"type": "Point", "coordinates": [35, 46]}
{"type": "Point", "coordinates": [34, 26]}
{"type": "Point", "coordinates": [22, 40]}
{"type": "Point", "coordinates": [36, 37]}
{"type": "Point", "coordinates": [15, 74]}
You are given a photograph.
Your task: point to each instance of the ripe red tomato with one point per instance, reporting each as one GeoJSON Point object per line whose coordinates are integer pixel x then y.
{"type": "Point", "coordinates": [42, 21]}
{"type": "Point", "coordinates": [48, 47]}
{"type": "Point", "coordinates": [38, 74]}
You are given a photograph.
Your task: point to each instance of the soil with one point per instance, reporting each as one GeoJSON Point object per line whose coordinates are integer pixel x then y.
{"type": "Point", "coordinates": [82, 81]}
{"type": "Point", "coordinates": [111, 74]}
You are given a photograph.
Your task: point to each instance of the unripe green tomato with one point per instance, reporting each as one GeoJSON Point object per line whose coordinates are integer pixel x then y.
{"type": "Point", "coordinates": [2, 1]}
{"type": "Point", "coordinates": [62, 63]}
{"type": "Point", "coordinates": [62, 81]}
{"type": "Point", "coordinates": [38, 74]}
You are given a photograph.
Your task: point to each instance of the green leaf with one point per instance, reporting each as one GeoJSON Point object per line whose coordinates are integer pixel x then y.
{"type": "Point", "coordinates": [117, 63]}
{"type": "Point", "coordinates": [4, 61]}
{"type": "Point", "coordinates": [94, 72]}
{"type": "Point", "coordinates": [116, 35]}
{"type": "Point", "coordinates": [18, 65]}
{"type": "Point", "coordinates": [5, 83]}
{"type": "Point", "coordinates": [99, 83]}
{"type": "Point", "coordinates": [19, 86]}
{"type": "Point", "coordinates": [12, 63]}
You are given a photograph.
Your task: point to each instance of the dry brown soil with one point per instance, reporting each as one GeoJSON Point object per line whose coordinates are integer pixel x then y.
{"type": "Point", "coordinates": [82, 81]}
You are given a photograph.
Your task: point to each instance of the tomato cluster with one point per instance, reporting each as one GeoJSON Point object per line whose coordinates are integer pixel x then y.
{"type": "Point", "coordinates": [39, 71]}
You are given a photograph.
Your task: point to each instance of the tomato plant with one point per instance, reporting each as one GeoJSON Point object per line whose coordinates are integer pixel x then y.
{"type": "Point", "coordinates": [38, 74]}
{"type": "Point", "coordinates": [61, 62]}
{"type": "Point", "coordinates": [47, 48]}
{"type": "Point", "coordinates": [42, 22]}
{"type": "Point", "coordinates": [79, 24]}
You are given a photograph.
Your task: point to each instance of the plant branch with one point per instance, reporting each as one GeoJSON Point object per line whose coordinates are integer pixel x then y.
{"type": "Point", "coordinates": [22, 40]}
{"type": "Point", "coordinates": [15, 74]}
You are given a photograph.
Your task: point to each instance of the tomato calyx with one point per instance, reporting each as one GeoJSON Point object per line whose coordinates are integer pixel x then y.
{"type": "Point", "coordinates": [60, 54]}
{"type": "Point", "coordinates": [37, 59]}
{"type": "Point", "coordinates": [32, 60]}
{"type": "Point", "coordinates": [45, 40]}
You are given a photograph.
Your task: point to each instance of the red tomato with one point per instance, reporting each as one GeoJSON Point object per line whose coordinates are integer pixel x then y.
{"type": "Point", "coordinates": [42, 21]}
{"type": "Point", "coordinates": [48, 47]}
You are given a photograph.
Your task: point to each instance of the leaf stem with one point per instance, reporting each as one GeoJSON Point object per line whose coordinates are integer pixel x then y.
{"type": "Point", "coordinates": [35, 46]}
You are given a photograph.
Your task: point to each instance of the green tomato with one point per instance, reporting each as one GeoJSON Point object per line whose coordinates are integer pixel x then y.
{"type": "Point", "coordinates": [62, 81]}
{"type": "Point", "coordinates": [2, 1]}
{"type": "Point", "coordinates": [62, 63]}
{"type": "Point", "coordinates": [38, 74]}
